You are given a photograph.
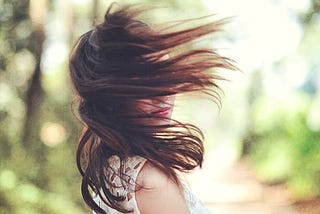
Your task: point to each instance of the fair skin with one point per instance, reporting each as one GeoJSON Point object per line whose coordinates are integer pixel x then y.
{"type": "Point", "coordinates": [160, 107]}
{"type": "Point", "coordinates": [159, 193]}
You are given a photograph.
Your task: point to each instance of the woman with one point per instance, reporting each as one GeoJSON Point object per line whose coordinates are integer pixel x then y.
{"type": "Point", "coordinates": [126, 76]}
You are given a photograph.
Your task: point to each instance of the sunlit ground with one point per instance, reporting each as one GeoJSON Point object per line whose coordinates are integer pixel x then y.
{"type": "Point", "coordinates": [233, 188]}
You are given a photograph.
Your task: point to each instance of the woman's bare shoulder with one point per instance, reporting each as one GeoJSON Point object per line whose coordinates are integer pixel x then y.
{"type": "Point", "coordinates": [159, 194]}
{"type": "Point", "coordinates": [151, 177]}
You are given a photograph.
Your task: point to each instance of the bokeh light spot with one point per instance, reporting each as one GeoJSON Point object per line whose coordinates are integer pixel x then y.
{"type": "Point", "coordinates": [52, 134]}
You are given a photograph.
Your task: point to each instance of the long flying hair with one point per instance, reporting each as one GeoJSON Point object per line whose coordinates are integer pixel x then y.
{"type": "Point", "coordinates": [120, 62]}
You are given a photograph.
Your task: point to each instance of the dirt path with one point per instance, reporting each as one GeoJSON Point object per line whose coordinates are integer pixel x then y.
{"type": "Point", "coordinates": [233, 188]}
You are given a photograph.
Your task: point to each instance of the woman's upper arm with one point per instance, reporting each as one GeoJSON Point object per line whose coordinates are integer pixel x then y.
{"type": "Point", "coordinates": [159, 193]}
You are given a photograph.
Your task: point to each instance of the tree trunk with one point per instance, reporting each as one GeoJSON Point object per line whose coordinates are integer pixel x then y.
{"type": "Point", "coordinates": [34, 92]}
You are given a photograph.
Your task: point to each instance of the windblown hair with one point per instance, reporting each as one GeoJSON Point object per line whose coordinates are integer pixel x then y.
{"type": "Point", "coordinates": [120, 62]}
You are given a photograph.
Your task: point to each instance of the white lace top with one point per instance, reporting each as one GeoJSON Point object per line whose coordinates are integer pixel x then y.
{"type": "Point", "coordinates": [131, 166]}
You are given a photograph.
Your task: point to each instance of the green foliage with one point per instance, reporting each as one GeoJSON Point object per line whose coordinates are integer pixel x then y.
{"type": "Point", "coordinates": [285, 147]}
{"type": "Point", "coordinates": [36, 178]}
{"type": "Point", "coordinates": [25, 197]}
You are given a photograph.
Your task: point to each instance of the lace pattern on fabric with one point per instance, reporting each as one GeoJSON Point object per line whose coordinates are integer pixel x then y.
{"type": "Point", "coordinates": [194, 204]}
{"type": "Point", "coordinates": [131, 167]}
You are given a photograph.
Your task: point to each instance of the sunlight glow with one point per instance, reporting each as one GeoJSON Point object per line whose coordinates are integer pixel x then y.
{"type": "Point", "coordinates": [267, 33]}
{"type": "Point", "coordinates": [80, 2]}
{"type": "Point", "coordinates": [52, 134]}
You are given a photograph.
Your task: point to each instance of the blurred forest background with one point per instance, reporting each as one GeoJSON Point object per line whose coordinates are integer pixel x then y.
{"type": "Point", "coordinates": [271, 110]}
